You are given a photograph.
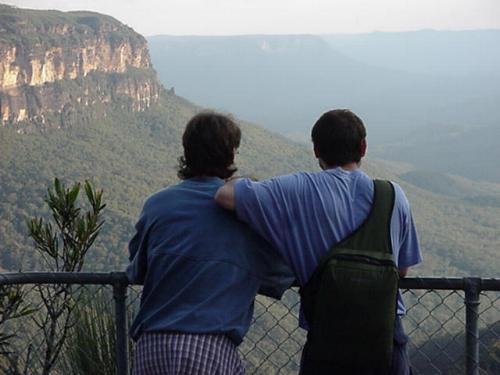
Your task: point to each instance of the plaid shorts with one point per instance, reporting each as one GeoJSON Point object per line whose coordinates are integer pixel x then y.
{"type": "Point", "coordinates": [186, 354]}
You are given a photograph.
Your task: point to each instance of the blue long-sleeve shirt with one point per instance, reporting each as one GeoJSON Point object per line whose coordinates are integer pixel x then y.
{"type": "Point", "coordinates": [201, 268]}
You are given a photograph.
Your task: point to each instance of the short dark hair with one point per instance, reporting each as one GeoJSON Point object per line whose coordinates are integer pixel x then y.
{"type": "Point", "coordinates": [209, 141]}
{"type": "Point", "coordinates": [337, 137]}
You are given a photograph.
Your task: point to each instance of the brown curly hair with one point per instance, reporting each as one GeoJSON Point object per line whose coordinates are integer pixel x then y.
{"type": "Point", "coordinates": [209, 141]}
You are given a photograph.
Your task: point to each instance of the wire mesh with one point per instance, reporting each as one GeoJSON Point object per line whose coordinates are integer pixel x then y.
{"type": "Point", "coordinates": [489, 333]}
{"type": "Point", "coordinates": [274, 342]}
{"type": "Point", "coordinates": [73, 335]}
{"type": "Point", "coordinates": [435, 322]}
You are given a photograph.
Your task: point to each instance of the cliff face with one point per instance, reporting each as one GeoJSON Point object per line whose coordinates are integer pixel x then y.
{"type": "Point", "coordinates": [52, 63]}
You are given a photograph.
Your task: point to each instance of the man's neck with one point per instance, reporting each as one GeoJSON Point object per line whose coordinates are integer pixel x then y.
{"type": "Point", "coordinates": [350, 166]}
{"type": "Point", "coordinates": [347, 167]}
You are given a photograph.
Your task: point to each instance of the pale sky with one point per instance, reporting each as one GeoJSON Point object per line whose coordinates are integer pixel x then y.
{"type": "Point", "coordinates": [230, 17]}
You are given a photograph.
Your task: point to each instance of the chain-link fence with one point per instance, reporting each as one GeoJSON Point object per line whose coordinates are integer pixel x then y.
{"type": "Point", "coordinates": [63, 343]}
{"type": "Point", "coordinates": [453, 324]}
{"type": "Point", "coordinates": [63, 323]}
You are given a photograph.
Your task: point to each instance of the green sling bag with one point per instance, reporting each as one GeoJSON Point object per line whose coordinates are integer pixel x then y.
{"type": "Point", "coordinates": [350, 301]}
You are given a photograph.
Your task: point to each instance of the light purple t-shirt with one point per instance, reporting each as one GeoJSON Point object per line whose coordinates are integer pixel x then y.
{"type": "Point", "coordinates": [304, 214]}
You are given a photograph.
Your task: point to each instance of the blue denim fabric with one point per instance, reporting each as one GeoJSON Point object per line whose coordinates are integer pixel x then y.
{"type": "Point", "coordinates": [400, 360]}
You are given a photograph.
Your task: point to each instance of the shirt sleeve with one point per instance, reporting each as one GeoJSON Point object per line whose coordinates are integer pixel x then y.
{"type": "Point", "coordinates": [261, 205]}
{"type": "Point", "coordinates": [276, 276]}
{"type": "Point", "coordinates": [409, 247]}
{"type": "Point", "coordinates": [138, 257]}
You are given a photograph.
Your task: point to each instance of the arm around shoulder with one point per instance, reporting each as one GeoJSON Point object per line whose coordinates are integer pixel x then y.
{"type": "Point", "coordinates": [225, 196]}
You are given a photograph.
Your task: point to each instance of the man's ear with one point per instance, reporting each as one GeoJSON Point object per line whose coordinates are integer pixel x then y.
{"type": "Point", "coordinates": [362, 147]}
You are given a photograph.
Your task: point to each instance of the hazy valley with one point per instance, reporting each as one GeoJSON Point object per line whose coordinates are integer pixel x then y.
{"type": "Point", "coordinates": [411, 88]}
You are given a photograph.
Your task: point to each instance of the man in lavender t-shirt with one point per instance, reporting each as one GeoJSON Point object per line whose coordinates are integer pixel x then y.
{"type": "Point", "coordinates": [304, 214]}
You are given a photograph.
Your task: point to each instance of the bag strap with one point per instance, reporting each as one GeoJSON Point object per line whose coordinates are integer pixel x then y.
{"type": "Point", "coordinates": [374, 235]}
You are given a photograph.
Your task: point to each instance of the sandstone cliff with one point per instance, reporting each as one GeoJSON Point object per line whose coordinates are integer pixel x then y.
{"type": "Point", "coordinates": [55, 63]}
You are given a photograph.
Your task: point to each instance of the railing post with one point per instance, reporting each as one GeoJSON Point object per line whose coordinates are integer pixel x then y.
{"type": "Point", "coordinates": [120, 297]}
{"type": "Point", "coordinates": [472, 288]}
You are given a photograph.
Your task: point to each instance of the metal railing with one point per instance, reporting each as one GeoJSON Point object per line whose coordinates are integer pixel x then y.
{"type": "Point", "coordinates": [445, 339]}
{"type": "Point", "coordinates": [472, 288]}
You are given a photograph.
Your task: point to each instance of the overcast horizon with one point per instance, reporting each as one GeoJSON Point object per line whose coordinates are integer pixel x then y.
{"type": "Point", "coordinates": [319, 34]}
{"type": "Point", "coordinates": [318, 17]}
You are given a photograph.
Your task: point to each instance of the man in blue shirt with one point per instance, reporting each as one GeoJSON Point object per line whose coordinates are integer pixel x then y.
{"type": "Point", "coordinates": [304, 214]}
{"type": "Point", "coordinates": [201, 268]}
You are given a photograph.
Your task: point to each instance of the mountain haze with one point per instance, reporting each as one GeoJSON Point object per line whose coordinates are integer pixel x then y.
{"type": "Point", "coordinates": [470, 151]}
{"type": "Point", "coordinates": [395, 82]}
{"type": "Point", "coordinates": [305, 74]}
{"type": "Point", "coordinates": [428, 52]}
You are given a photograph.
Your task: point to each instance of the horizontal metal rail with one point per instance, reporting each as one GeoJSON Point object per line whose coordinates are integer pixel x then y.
{"type": "Point", "coordinates": [87, 278]}
{"type": "Point", "coordinates": [110, 278]}
{"type": "Point", "coordinates": [441, 283]}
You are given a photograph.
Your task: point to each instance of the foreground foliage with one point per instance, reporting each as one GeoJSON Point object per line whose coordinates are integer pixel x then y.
{"type": "Point", "coordinates": [62, 243]}
{"type": "Point", "coordinates": [91, 345]}
{"type": "Point", "coordinates": [63, 246]}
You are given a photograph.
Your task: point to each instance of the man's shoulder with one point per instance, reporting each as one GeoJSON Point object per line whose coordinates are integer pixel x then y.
{"type": "Point", "coordinates": [307, 177]}
{"type": "Point", "coordinates": [295, 177]}
{"type": "Point", "coordinates": [312, 181]}
{"type": "Point", "coordinates": [277, 182]}
{"type": "Point", "coordinates": [162, 195]}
